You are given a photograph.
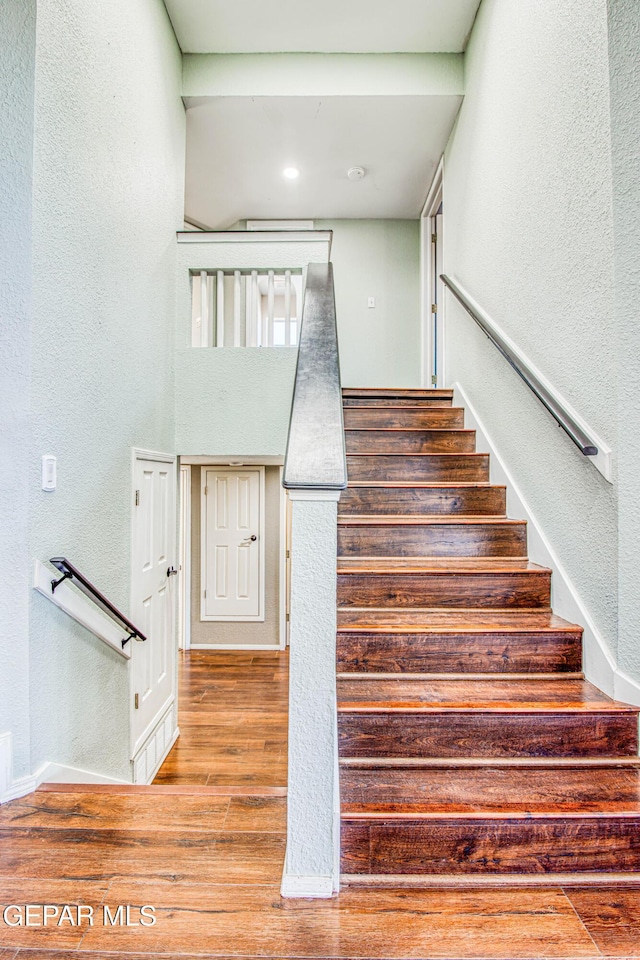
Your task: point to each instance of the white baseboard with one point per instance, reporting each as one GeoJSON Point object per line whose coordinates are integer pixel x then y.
{"type": "Point", "coordinates": [317, 888]}
{"type": "Point", "coordinates": [599, 664]}
{"type": "Point", "coordinates": [62, 773]}
{"type": "Point", "coordinates": [236, 646]}
{"type": "Point", "coordinates": [150, 756]}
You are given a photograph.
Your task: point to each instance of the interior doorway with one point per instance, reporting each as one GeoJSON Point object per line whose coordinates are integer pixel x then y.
{"type": "Point", "coordinates": [432, 300]}
{"type": "Point", "coordinates": [234, 537]}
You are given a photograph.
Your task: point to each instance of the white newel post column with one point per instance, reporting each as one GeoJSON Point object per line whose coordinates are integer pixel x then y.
{"type": "Point", "coordinates": [313, 825]}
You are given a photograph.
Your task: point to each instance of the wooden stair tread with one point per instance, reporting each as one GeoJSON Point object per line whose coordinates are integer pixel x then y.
{"type": "Point", "coordinates": [499, 695]}
{"type": "Point", "coordinates": [396, 392]}
{"type": "Point", "coordinates": [431, 520]}
{"type": "Point", "coordinates": [387, 619]}
{"type": "Point", "coordinates": [457, 677]}
{"type": "Point", "coordinates": [466, 763]}
{"type": "Point", "coordinates": [433, 881]}
{"type": "Point", "coordinates": [435, 565]}
{"type": "Point", "coordinates": [507, 791]}
{"type": "Point", "coordinates": [374, 454]}
{"type": "Point", "coordinates": [425, 485]}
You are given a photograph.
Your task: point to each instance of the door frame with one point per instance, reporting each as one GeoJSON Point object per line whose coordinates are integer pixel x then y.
{"type": "Point", "coordinates": [431, 287]}
{"type": "Point", "coordinates": [184, 539]}
{"type": "Point", "coordinates": [138, 743]}
{"type": "Point", "coordinates": [262, 566]}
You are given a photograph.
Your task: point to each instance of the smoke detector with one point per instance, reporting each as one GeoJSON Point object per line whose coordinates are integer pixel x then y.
{"type": "Point", "coordinates": [355, 173]}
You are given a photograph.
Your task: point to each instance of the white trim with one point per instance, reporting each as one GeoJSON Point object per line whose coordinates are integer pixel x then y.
{"type": "Point", "coordinates": [202, 460]}
{"type": "Point", "coordinates": [602, 460]}
{"type": "Point", "coordinates": [153, 747]}
{"type": "Point", "coordinates": [260, 617]}
{"type": "Point", "coordinates": [254, 236]}
{"type": "Point", "coordinates": [139, 453]}
{"type": "Point", "coordinates": [314, 494]}
{"type": "Point", "coordinates": [6, 764]}
{"type": "Point", "coordinates": [262, 225]}
{"type": "Point", "coordinates": [626, 688]}
{"type": "Point", "coordinates": [19, 788]}
{"type": "Point", "coordinates": [80, 609]}
{"type": "Point", "coordinates": [62, 773]}
{"type": "Point", "coordinates": [312, 887]}
{"type": "Point", "coordinates": [599, 664]}
{"type": "Point", "coordinates": [184, 594]}
{"type": "Point", "coordinates": [427, 279]}
{"type": "Point", "coordinates": [282, 566]}
{"type": "Point", "coordinates": [236, 646]}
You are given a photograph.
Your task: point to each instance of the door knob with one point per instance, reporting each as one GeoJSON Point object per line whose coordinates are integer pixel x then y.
{"type": "Point", "coordinates": [250, 539]}
{"type": "Point", "coordinates": [172, 572]}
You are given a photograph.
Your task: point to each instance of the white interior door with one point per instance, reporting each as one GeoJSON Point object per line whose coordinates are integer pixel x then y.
{"type": "Point", "coordinates": [232, 580]}
{"type": "Point", "coordinates": [153, 594]}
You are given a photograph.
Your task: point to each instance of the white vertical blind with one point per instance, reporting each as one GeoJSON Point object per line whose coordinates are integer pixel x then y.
{"type": "Point", "coordinates": [287, 308]}
{"type": "Point", "coordinates": [220, 309]}
{"type": "Point", "coordinates": [237, 303]}
{"type": "Point", "coordinates": [270, 307]}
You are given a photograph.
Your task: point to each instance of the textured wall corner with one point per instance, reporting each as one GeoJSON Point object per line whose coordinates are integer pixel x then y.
{"type": "Point", "coordinates": [108, 198]}
{"type": "Point", "coordinates": [528, 232]}
{"type": "Point", "coordinates": [17, 68]}
{"type": "Point", "coordinates": [311, 824]}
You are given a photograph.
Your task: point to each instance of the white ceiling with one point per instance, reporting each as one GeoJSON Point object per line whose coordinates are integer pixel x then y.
{"type": "Point", "coordinates": [331, 26]}
{"type": "Point", "coordinates": [237, 148]}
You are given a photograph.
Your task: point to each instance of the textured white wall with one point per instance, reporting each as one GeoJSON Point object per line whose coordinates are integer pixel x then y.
{"type": "Point", "coordinates": [379, 347]}
{"type": "Point", "coordinates": [108, 188]}
{"type": "Point", "coordinates": [312, 843]}
{"type": "Point", "coordinates": [528, 231]}
{"type": "Point", "coordinates": [17, 67]}
{"type": "Point", "coordinates": [624, 44]}
{"type": "Point", "coordinates": [232, 402]}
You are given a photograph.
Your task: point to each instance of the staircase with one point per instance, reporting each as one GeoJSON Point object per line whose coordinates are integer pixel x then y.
{"type": "Point", "coordinates": [472, 750]}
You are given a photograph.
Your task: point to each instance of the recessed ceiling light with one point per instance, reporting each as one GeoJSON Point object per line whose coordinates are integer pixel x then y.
{"type": "Point", "coordinates": [291, 173]}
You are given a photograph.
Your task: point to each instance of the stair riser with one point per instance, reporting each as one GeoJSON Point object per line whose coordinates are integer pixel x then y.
{"type": "Point", "coordinates": [479, 734]}
{"type": "Point", "coordinates": [451, 846]}
{"type": "Point", "coordinates": [444, 590]}
{"type": "Point", "coordinates": [438, 501]}
{"type": "Point", "coordinates": [410, 441]}
{"type": "Point", "coordinates": [448, 540]}
{"type": "Point", "coordinates": [435, 418]}
{"type": "Point", "coordinates": [436, 468]}
{"type": "Point", "coordinates": [392, 402]}
{"type": "Point", "coordinates": [459, 653]}
{"type": "Point", "coordinates": [392, 393]}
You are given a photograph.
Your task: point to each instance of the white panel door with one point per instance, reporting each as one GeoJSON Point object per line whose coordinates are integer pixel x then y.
{"type": "Point", "coordinates": [153, 589]}
{"type": "Point", "coordinates": [232, 544]}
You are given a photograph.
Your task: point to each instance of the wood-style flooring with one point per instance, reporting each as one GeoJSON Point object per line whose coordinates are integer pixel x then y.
{"type": "Point", "coordinates": [208, 856]}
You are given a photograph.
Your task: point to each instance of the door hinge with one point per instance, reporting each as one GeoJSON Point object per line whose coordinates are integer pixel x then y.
{"type": "Point", "coordinates": [206, 491]}
{"type": "Point", "coordinates": [137, 498]}
{"type": "Point", "coordinates": [205, 594]}
{"type": "Point", "coordinates": [136, 701]}
{"type": "Point", "coordinates": [288, 555]}
{"type": "Point", "coordinates": [434, 238]}
{"type": "Point", "coordinates": [288, 617]}
{"type": "Point", "coordinates": [434, 308]}
{"type": "Point", "coordinates": [434, 379]}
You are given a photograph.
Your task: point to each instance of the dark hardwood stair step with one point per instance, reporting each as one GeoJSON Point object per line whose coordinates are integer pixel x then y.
{"type": "Point", "coordinates": [502, 845]}
{"type": "Point", "coordinates": [466, 763]}
{"type": "Point", "coordinates": [453, 677]}
{"type": "Point", "coordinates": [456, 642]}
{"type": "Point", "coordinates": [416, 536]}
{"type": "Point", "coordinates": [407, 441]}
{"type": "Point", "coordinates": [506, 791]}
{"type": "Point", "coordinates": [473, 499]}
{"type": "Point", "coordinates": [396, 393]}
{"type": "Point", "coordinates": [501, 718]}
{"type": "Point", "coordinates": [496, 695]}
{"type": "Point", "coordinates": [446, 468]}
{"type": "Point", "coordinates": [442, 583]}
{"type": "Point", "coordinates": [414, 417]}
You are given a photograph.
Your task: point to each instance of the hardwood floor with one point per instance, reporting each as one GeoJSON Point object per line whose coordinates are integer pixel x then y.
{"type": "Point", "coordinates": [233, 721]}
{"type": "Point", "coordinates": [209, 857]}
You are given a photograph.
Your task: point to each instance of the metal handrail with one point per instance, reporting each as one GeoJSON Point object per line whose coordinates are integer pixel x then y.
{"type": "Point", "coordinates": [516, 360]}
{"type": "Point", "coordinates": [70, 572]}
{"type": "Point", "coordinates": [315, 457]}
